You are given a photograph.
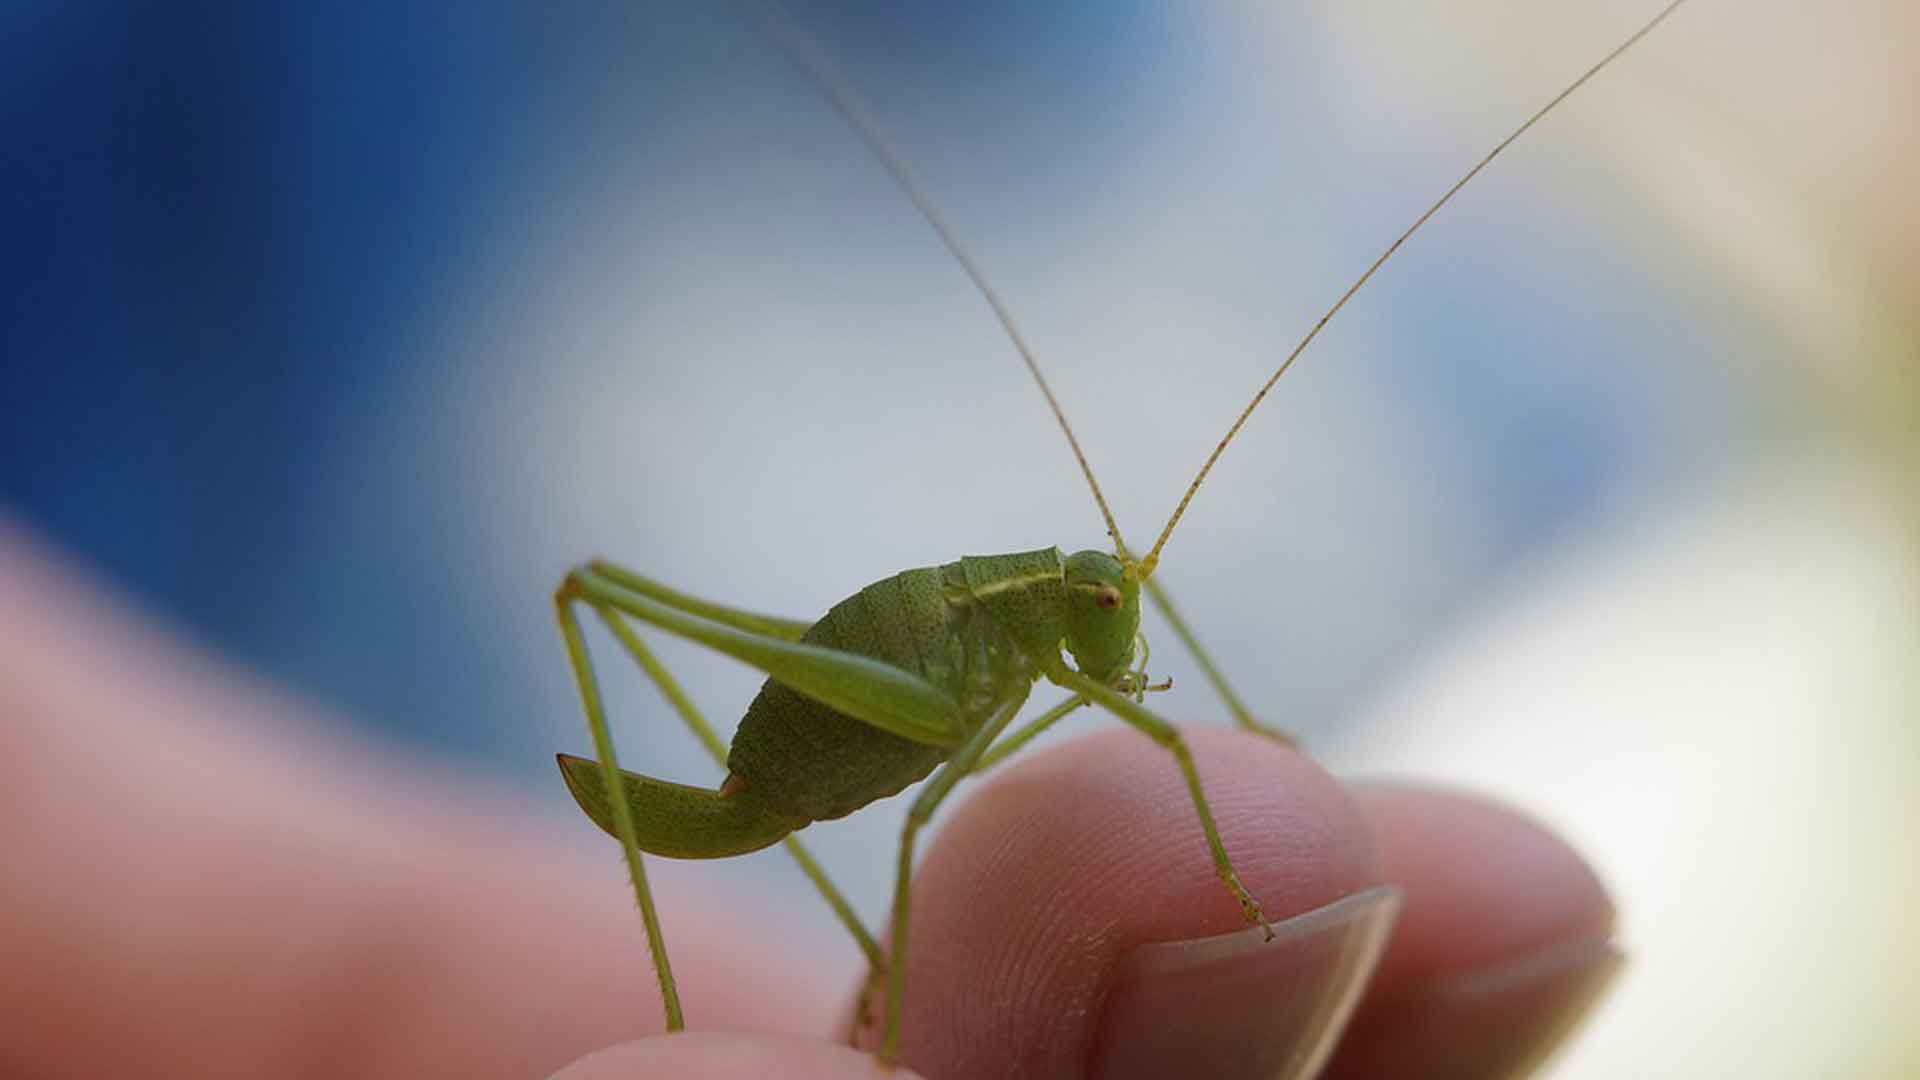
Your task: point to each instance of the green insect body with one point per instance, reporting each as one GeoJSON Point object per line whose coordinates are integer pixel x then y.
{"type": "Point", "coordinates": [915, 677]}
{"type": "Point", "coordinates": [920, 671]}
{"type": "Point", "coordinates": [972, 628]}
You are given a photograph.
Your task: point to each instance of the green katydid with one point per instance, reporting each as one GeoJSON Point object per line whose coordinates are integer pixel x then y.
{"type": "Point", "coordinates": [919, 674]}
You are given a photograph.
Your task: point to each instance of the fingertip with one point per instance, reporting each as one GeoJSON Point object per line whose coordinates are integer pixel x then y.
{"type": "Point", "coordinates": [720, 1055]}
{"type": "Point", "coordinates": [1485, 882]}
{"type": "Point", "coordinates": [1503, 946]}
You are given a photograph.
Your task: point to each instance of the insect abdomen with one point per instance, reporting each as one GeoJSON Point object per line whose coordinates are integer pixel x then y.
{"type": "Point", "coordinates": [818, 763]}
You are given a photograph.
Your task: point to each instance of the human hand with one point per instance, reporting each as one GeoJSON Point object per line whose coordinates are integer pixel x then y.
{"type": "Point", "coordinates": [197, 883]}
{"type": "Point", "coordinates": [1046, 912]}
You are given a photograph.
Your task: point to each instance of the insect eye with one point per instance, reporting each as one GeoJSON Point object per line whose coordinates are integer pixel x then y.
{"type": "Point", "coordinates": [1106, 598]}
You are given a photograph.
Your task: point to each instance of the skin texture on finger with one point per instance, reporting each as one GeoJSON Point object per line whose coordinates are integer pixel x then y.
{"type": "Point", "coordinates": [1503, 940]}
{"type": "Point", "coordinates": [1038, 888]}
{"type": "Point", "coordinates": [198, 882]}
{"type": "Point", "coordinates": [727, 1056]}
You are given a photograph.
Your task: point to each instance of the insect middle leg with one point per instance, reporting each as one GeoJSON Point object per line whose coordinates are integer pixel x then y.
{"type": "Point", "coordinates": [963, 762]}
{"type": "Point", "coordinates": [987, 760]}
{"type": "Point", "coordinates": [1011, 745]}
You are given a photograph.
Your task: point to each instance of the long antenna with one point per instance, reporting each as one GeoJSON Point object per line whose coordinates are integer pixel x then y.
{"type": "Point", "coordinates": [846, 101]}
{"type": "Point", "coordinates": [1153, 557]}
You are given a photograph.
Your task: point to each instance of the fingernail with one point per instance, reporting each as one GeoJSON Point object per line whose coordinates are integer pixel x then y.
{"type": "Point", "coordinates": [1239, 1005]}
{"type": "Point", "coordinates": [1504, 1020]}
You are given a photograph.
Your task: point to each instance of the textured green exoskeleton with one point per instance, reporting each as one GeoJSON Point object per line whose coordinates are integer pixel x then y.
{"type": "Point", "coordinates": [917, 674]}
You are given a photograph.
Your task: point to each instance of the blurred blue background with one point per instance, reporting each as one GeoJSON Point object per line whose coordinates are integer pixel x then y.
{"type": "Point", "coordinates": [223, 220]}
{"type": "Point", "coordinates": [335, 333]}
{"type": "Point", "coordinates": [231, 229]}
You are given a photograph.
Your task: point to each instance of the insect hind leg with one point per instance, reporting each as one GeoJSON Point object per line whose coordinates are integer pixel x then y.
{"type": "Point", "coordinates": [738, 618]}
{"type": "Point", "coordinates": [622, 814]}
{"type": "Point", "coordinates": [670, 689]}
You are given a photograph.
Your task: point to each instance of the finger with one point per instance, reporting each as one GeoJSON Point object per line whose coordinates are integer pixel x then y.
{"type": "Point", "coordinates": [727, 1056]}
{"type": "Point", "coordinates": [195, 875]}
{"type": "Point", "coordinates": [1047, 912]}
{"type": "Point", "coordinates": [1503, 943]}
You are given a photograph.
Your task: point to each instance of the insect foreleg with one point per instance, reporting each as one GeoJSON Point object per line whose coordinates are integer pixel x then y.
{"type": "Point", "coordinates": [959, 765]}
{"type": "Point", "coordinates": [872, 691]}
{"type": "Point", "coordinates": [1169, 737]}
{"type": "Point", "coordinates": [622, 813]}
{"type": "Point", "coordinates": [1242, 716]}
{"type": "Point", "coordinates": [669, 688]}
{"type": "Point", "coordinates": [1011, 745]}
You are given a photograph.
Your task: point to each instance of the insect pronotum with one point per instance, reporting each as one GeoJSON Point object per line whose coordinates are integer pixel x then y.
{"type": "Point", "coordinates": [919, 674]}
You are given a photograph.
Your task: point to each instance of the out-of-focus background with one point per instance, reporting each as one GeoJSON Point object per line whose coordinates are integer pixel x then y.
{"type": "Point", "coordinates": [333, 334]}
